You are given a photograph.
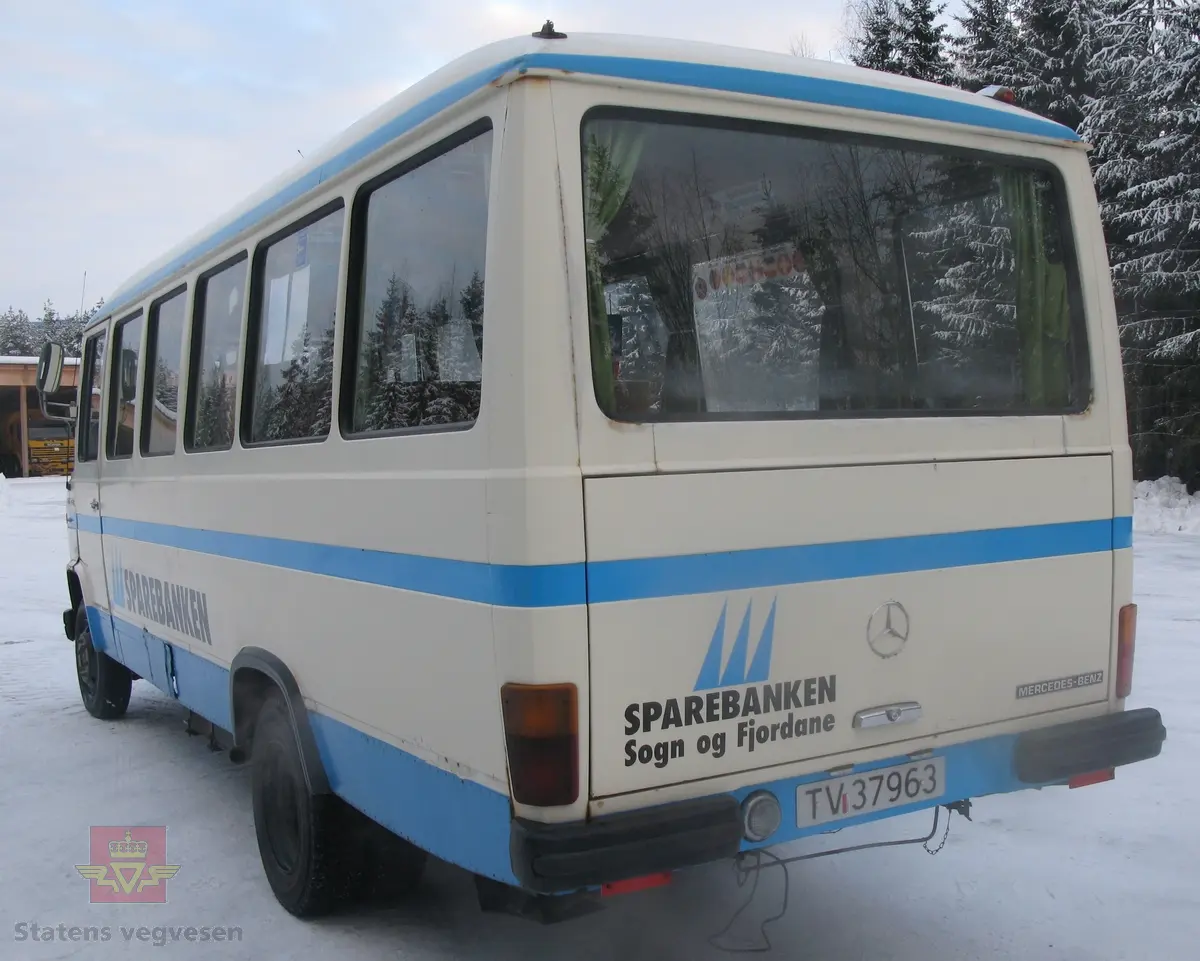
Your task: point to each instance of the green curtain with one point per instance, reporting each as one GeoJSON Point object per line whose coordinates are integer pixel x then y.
{"type": "Point", "coordinates": [610, 161]}
{"type": "Point", "coordinates": [1043, 311]}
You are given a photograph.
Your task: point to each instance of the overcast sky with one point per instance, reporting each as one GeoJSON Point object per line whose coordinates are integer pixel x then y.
{"type": "Point", "coordinates": [125, 125]}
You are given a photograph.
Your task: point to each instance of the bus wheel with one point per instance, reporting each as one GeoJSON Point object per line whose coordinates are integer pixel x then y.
{"type": "Point", "coordinates": [300, 836]}
{"type": "Point", "coordinates": [104, 684]}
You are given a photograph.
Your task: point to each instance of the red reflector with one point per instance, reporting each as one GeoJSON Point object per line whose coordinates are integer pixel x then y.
{"type": "Point", "coordinates": [1126, 638]}
{"type": "Point", "coordinates": [630, 885]}
{"type": "Point", "coordinates": [1095, 777]}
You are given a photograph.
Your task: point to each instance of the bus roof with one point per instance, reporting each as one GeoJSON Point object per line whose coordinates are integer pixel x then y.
{"type": "Point", "coordinates": [677, 63]}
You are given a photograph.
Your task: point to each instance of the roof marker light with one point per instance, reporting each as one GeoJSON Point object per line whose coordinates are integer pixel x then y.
{"type": "Point", "coordinates": [997, 92]}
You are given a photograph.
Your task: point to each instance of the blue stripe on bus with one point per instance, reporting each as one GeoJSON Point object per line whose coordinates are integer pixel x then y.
{"type": "Point", "coordinates": [598, 582]}
{"type": "Point", "coordinates": [84, 522]}
{"type": "Point", "coordinates": [626, 580]}
{"type": "Point", "coordinates": [467, 823]}
{"type": "Point", "coordinates": [504, 585]}
{"type": "Point", "coordinates": [458, 820]}
{"type": "Point", "coordinates": [461, 821]}
{"type": "Point", "coordinates": [790, 86]}
{"type": "Point", "coordinates": [784, 86]}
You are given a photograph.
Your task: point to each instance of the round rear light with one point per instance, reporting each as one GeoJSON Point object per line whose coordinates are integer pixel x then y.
{"type": "Point", "coordinates": [761, 816]}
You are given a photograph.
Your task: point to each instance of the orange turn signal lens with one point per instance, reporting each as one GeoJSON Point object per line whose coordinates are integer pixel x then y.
{"type": "Point", "coordinates": [540, 710]}
{"type": "Point", "coordinates": [541, 730]}
{"type": "Point", "coordinates": [1126, 639]}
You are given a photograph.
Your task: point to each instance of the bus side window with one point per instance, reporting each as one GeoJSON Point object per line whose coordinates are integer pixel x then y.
{"type": "Point", "coordinates": [293, 299]}
{"type": "Point", "coordinates": [164, 350]}
{"type": "Point", "coordinates": [123, 387]}
{"type": "Point", "coordinates": [90, 397]}
{"type": "Point", "coordinates": [216, 342]}
{"type": "Point", "coordinates": [414, 347]}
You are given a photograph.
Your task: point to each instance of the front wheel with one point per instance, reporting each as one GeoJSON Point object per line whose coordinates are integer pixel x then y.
{"type": "Point", "coordinates": [104, 684]}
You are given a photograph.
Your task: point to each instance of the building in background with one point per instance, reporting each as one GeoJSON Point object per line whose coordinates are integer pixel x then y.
{"type": "Point", "coordinates": [31, 446]}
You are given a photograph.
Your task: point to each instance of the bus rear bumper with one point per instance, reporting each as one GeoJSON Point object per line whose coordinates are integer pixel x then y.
{"type": "Point", "coordinates": [549, 858]}
{"type": "Point", "coordinates": [556, 858]}
{"type": "Point", "coordinates": [1053, 754]}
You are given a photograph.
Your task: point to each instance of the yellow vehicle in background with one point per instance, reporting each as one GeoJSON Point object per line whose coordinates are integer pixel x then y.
{"type": "Point", "coordinates": [51, 449]}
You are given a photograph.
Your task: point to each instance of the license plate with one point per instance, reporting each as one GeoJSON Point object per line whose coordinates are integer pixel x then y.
{"type": "Point", "coordinates": [886, 787]}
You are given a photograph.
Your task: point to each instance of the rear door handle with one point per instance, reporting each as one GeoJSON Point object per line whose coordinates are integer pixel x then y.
{"type": "Point", "coordinates": [900, 713]}
{"type": "Point", "coordinates": [95, 504]}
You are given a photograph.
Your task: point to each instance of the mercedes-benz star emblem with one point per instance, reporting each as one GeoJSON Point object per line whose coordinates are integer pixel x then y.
{"type": "Point", "coordinates": [887, 629]}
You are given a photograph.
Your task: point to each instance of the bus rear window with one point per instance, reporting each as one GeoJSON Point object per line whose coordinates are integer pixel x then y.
{"type": "Point", "coordinates": [747, 271]}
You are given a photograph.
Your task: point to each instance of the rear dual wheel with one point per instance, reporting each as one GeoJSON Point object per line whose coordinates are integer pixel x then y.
{"type": "Point", "coordinates": [316, 850]}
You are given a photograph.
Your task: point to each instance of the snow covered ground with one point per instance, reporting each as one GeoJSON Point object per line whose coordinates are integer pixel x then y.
{"type": "Point", "coordinates": [1109, 872]}
{"type": "Point", "coordinates": [1165, 506]}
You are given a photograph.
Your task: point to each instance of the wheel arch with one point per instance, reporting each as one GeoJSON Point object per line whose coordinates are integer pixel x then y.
{"type": "Point", "coordinates": [254, 673]}
{"type": "Point", "coordinates": [75, 591]}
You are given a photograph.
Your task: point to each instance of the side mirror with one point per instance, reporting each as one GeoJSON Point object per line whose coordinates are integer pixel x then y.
{"type": "Point", "coordinates": [49, 380]}
{"type": "Point", "coordinates": [50, 368]}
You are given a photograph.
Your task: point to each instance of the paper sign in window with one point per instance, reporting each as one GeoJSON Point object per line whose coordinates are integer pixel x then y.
{"type": "Point", "coordinates": [277, 306]}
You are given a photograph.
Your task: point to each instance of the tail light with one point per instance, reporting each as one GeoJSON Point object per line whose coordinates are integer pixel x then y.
{"type": "Point", "coordinates": [541, 728]}
{"type": "Point", "coordinates": [1126, 636]}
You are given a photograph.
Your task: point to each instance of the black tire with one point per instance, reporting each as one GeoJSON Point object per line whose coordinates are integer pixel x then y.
{"type": "Point", "coordinates": [300, 834]}
{"type": "Point", "coordinates": [104, 684]}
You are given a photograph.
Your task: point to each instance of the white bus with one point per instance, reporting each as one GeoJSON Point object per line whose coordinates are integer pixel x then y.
{"type": "Point", "coordinates": [779, 483]}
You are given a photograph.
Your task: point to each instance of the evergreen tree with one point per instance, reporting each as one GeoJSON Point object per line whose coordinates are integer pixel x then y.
{"type": "Point", "coordinates": [284, 410]}
{"type": "Point", "coordinates": [1161, 212]}
{"type": "Point", "coordinates": [876, 44]}
{"type": "Point", "coordinates": [166, 385]}
{"type": "Point", "coordinates": [922, 41]}
{"type": "Point", "coordinates": [1164, 201]}
{"type": "Point", "coordinates": [427, 327]}
{"type": "Point", "coordinates": [17, 334]}
{"type": "Point", "coordinates": [24, 337]}
{"type": "Point", "coordinates": [378, 345]}
{"type": "Point", "coordinates": [985, 49]}
{"type": "Point", "coordinates": [1053, 75]}
{"type": "Point", "coordinates": [394, 395]}
{"type": "Point", "coordinates": [963, 294]}
{"type": "Point", "coordinates": [1118, 124]}
{"type": "Point", "coordinates": [471, 302]}
{"type": "Point", "coordinates": [214, 411]}
{"type": "Point", "coordinates": [322, 384]}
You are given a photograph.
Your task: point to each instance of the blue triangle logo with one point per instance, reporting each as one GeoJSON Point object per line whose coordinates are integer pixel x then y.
{"type": "Point", "coordinates": [735, 670]}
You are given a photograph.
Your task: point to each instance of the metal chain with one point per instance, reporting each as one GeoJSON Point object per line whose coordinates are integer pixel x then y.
{"type": "Point", "coordinates": [942, 843]}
